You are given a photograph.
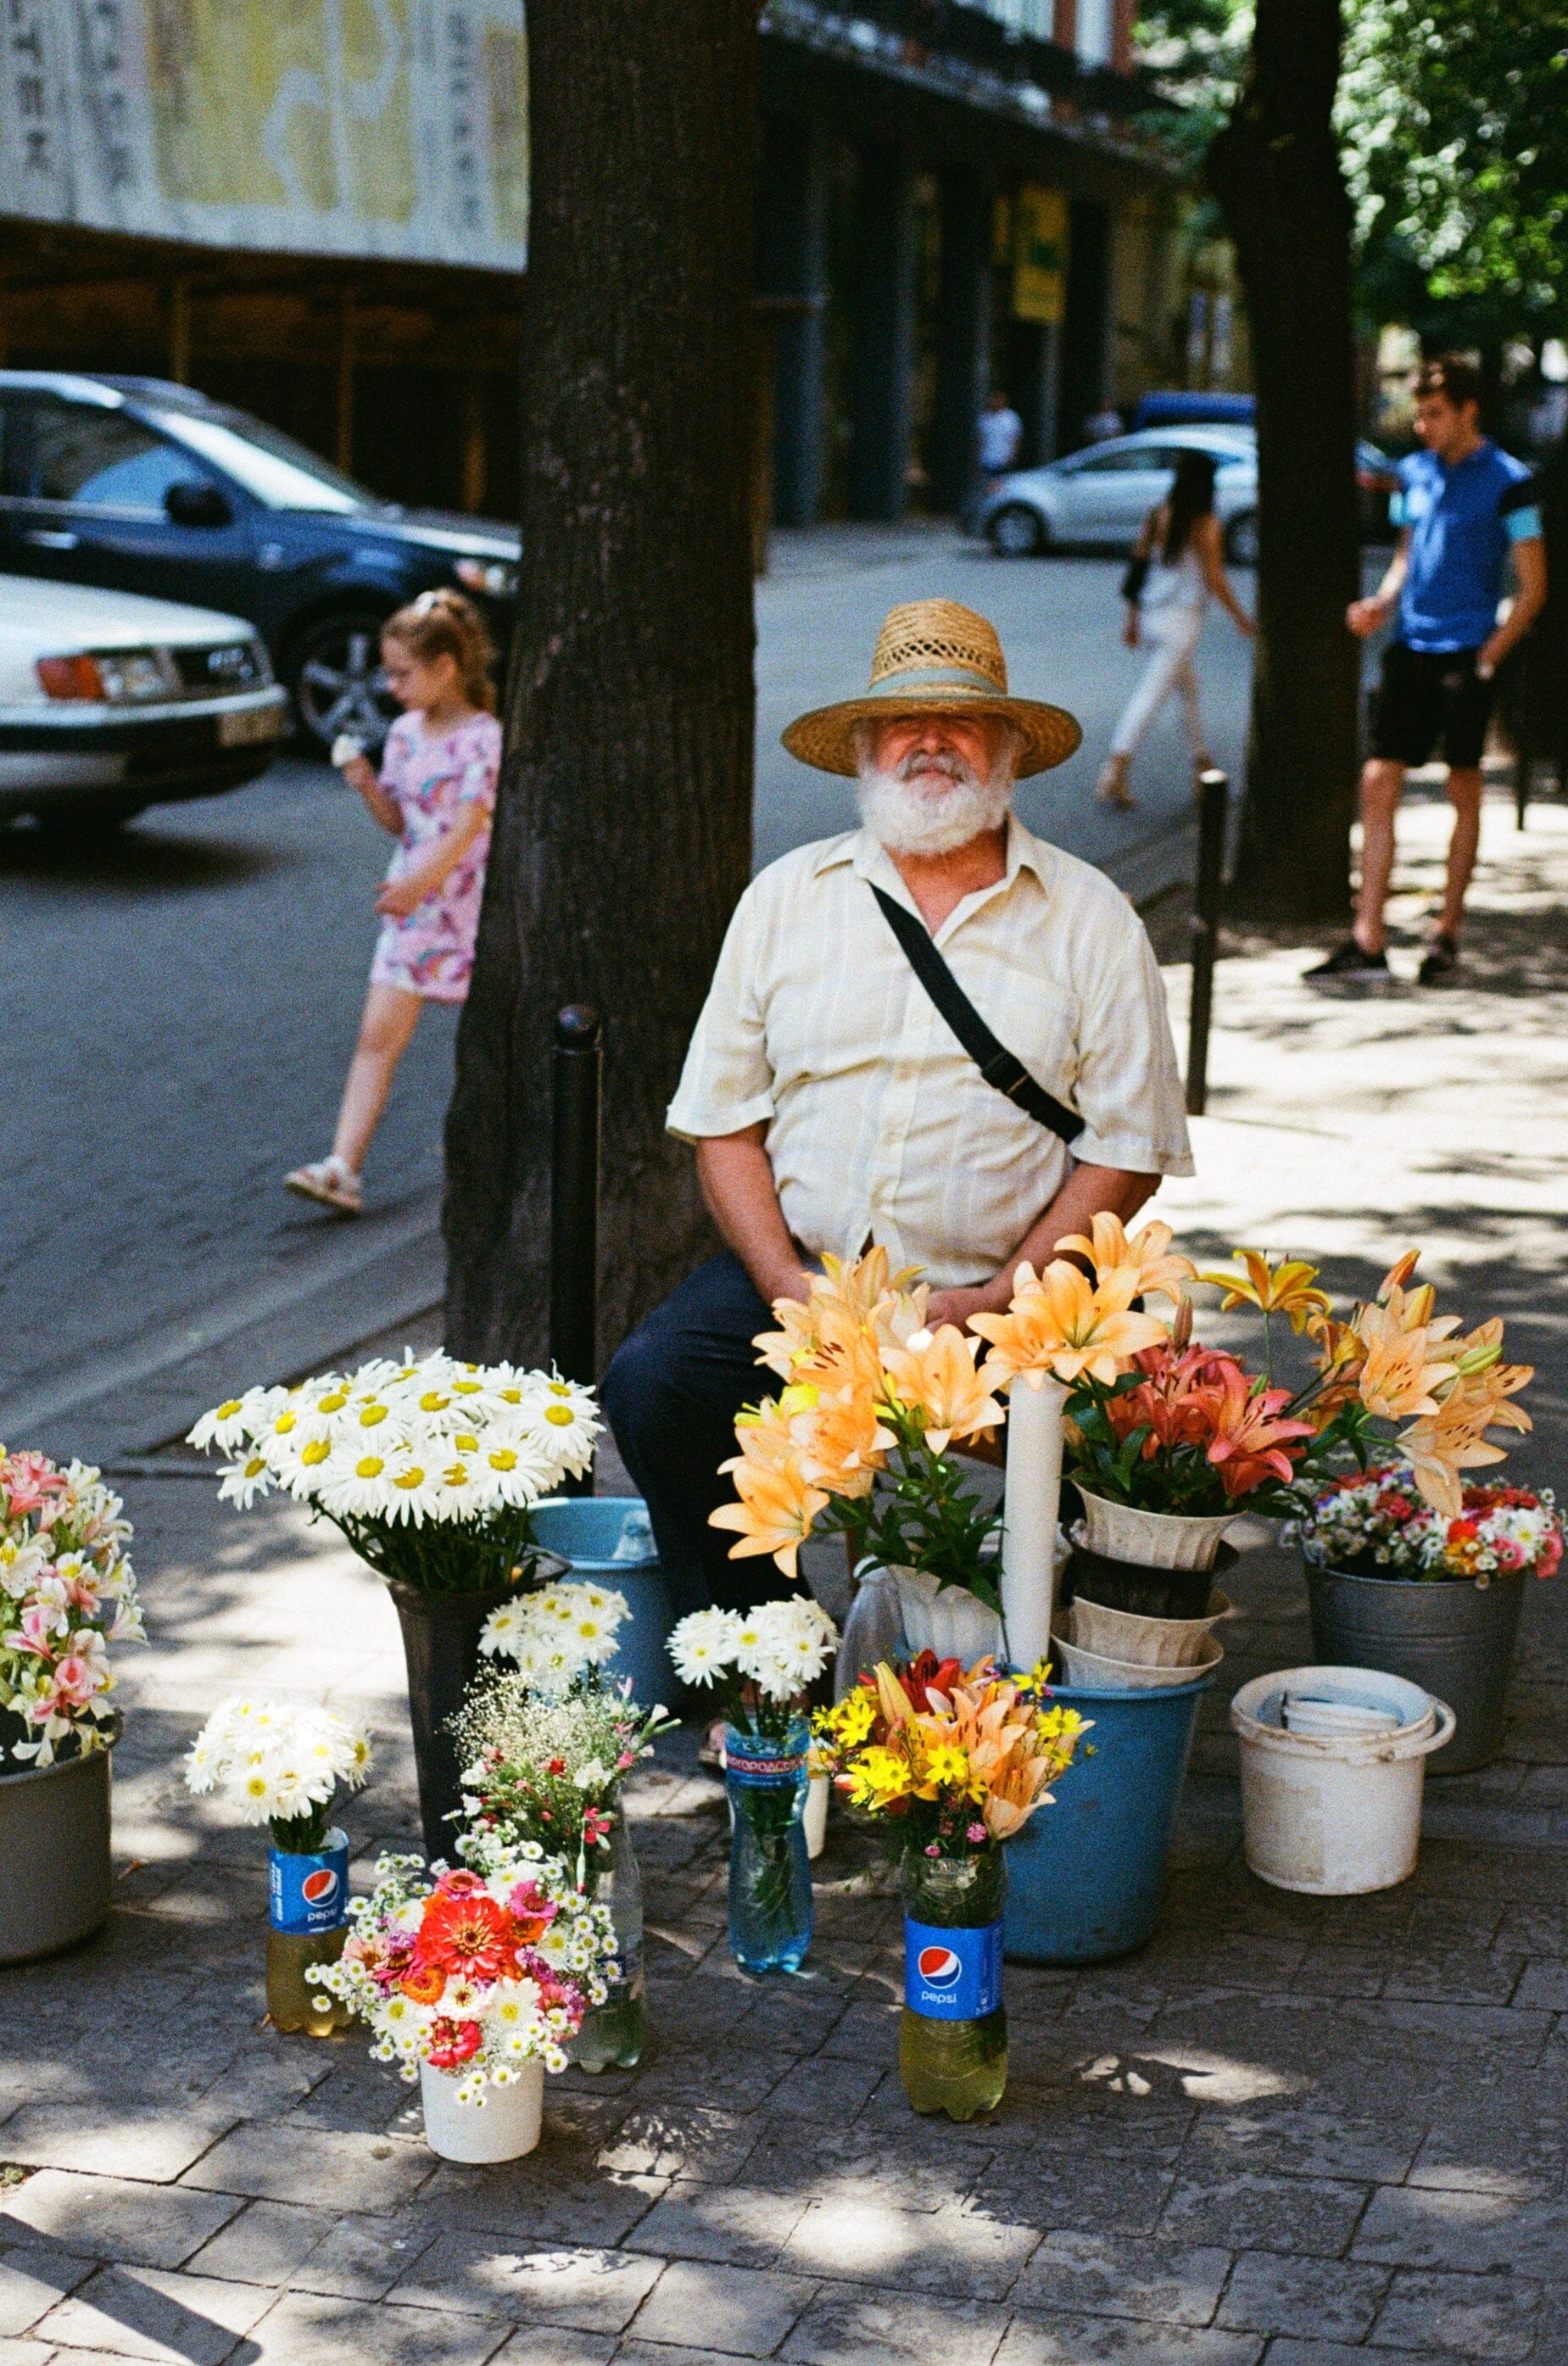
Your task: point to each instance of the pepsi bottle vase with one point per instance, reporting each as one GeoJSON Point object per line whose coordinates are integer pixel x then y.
{"type": "Point", "coordinates": [308, 1923]}
{"type": "Point", "coordinates": [953, 2039]}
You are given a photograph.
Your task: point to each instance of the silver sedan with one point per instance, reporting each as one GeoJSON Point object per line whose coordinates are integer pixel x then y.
{"type": "Point", "coordinates": [1098, 499]}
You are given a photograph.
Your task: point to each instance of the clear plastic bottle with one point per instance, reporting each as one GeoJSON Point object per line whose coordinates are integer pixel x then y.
{"type": "Point", "coordinates": [770, 1869]}
{"type": "Point", "coordinates": [952, 2038]}
{"type": "Point", "coordinates": [292, 2004]}
{"type": "Point", "coordinates": [614, 2033]}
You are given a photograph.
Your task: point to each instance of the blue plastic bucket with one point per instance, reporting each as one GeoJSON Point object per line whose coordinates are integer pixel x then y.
{"type": "Point", "coordinates": [1085, 1874]}
{"type": "Point", "coordinates": [585, 1530]}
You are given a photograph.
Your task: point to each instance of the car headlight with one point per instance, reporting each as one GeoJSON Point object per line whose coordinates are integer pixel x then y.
{"type": "Point", "coordinates": [112, 677]}
{"type": "Point", "coordinates": [497, 577]}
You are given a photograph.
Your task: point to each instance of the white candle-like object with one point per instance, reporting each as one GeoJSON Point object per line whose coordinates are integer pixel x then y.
{"type": "Point", "coordinates": [1030, 1507]}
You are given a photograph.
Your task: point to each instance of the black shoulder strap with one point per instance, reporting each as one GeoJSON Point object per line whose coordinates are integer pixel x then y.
{"type": "Point", "coordinates": [1001, 1067]}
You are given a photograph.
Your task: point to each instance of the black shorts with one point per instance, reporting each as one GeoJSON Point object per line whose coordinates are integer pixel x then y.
{"type": "Point", "coordinates": [1428, 704]}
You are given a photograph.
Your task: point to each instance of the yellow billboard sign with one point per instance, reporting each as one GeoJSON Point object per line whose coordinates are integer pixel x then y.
{"type": "Point", "coordinates": [394, 128]}
{"type": "Point", "coordinates": [1039, 254]}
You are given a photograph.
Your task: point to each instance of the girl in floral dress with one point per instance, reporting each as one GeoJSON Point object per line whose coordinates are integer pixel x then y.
{"type": "Point", "coordinates": [435, 793]}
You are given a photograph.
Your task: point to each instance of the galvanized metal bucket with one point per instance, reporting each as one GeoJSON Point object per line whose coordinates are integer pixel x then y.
{"type": "Point", "coordinates": [1449, 1636]}
{"type": "Point", "coordinates": [55, 1878]}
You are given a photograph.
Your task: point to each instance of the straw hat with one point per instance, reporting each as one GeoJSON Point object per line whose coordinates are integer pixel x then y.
{"type": "Point", "coordinates": [934, 656]}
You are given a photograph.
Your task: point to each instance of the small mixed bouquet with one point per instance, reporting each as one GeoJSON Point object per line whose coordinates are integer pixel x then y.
{"type": "Point", "coordinates": [67, 1593]}
{"type": "Point", "coordinates": [280, 1764]}
{"type": "Point", "coordinates": [549, 1770]}
{"type": "Point", "coordinates": [948, 1761]}
{"type": "Point", "coordinates": [558, 1637]}
{"type": "Point", "coordinates": [430, 1468]}
{"type": "Point", "coordinates": [477, 1970]}
{"type": "Point", "coordinates": [758, 1662]}
{"type": "Point", "coordinates": [1375, 1524]}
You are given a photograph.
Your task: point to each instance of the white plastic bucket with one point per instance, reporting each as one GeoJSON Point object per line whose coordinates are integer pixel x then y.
{"type": "Point", "coordinates": [1145, 1642]}
{"type": "Point", "coordinates": [948, 1620]}
{"type": "Point", "coordinates": [1334, 1814]}
{"type": "Point", "coordinates": [504, 2127]}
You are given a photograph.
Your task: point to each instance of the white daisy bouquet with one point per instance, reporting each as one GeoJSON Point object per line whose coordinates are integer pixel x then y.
{"type": "Point", "coordinates": [280, 1764]}
{"type": "Point", "coordinates": [67, 1592]}
{"type": "Point", "coordinates": [758, 1662]}
{"type": "Point", "coordinates": [559, 1637]}
{"type": "Point", "coordinates": [549, 1770]}
{"type": "Point", "coordinates": [430, 1467]}
{"type": "Point", "coordinates": [474, 1971]}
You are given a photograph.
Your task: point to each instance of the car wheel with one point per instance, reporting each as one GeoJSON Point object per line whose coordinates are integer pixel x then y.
{"type": "Point", "coordinates": [1018, 532]}
{"type": "Point", "coordinates": [1241, 539]}
{"type": "Point", "coordinates": [333, 672]}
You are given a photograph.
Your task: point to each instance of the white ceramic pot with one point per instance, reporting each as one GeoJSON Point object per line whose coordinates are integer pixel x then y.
{"type": "Point", "coordinates": [504, 2127]}
{"type": "Point", "coordinates": [1333, 1815]}
{"type": "Point", "coordinates": [950, 1621]}
{"type": "Point", "coordinates": [1153, 1539]}
{"type": "Point", "coordinates": [1146, 1642]}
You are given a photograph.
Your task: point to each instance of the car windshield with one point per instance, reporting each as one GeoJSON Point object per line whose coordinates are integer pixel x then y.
{"type": "Point", "coordinates": [273, 468]}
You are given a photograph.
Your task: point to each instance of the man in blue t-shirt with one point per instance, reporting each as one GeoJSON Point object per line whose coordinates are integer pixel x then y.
{"type": "Point", "coordinates": [1463, 508]}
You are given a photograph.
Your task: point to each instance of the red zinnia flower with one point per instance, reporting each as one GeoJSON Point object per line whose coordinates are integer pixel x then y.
{"type": "Point", "coordinates": [453, 2042]}
{"type": "Point", "coordinates": [468, 1937]}
{"type": "Point", "coordinates": [425, 1985]}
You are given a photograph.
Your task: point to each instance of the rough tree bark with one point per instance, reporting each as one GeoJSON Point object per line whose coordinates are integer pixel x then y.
{"type": "Point", "coordinates": [623, 829]}
{"type": "Point", "coordinates": [1275, 169]}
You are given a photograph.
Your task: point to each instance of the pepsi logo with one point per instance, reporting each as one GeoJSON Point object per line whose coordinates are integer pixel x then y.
{"type": "Point", "coordinates": [939, 1967]}
{"type": "Point", "coordinates": [318, 1887]}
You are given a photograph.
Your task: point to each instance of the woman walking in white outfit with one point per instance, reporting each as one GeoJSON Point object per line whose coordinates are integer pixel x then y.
{"type": "Point", "coordinates": [1177, 560]}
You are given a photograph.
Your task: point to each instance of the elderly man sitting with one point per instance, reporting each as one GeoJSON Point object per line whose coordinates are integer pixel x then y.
{"type": "Point", "coordinates": [832, 1104]}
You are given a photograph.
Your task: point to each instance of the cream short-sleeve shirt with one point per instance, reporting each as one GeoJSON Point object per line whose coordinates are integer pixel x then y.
{"type": "Point", "coordinates": [880, 1126]}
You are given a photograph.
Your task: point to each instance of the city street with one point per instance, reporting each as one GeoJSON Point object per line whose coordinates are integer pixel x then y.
{"type": "Point", "coordinates": [191, 992]}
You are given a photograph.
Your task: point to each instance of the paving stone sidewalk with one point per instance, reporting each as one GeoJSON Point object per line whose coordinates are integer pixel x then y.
{"type": "Point", "coordinates": [1288, 2129]}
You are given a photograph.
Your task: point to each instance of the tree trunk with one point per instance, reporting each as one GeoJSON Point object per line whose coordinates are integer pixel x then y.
{"type": "Point", "coordinates": [1275, 169]}
{"type": "Point", "coordinates": [622, 828]}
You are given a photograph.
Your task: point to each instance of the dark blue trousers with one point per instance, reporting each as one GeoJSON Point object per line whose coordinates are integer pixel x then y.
{"type": "Point", "coordinates": [671, 1395]}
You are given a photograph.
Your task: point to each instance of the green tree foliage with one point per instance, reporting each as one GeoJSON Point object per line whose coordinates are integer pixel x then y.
{"type": "Point", "coordinates": [1453, 123]}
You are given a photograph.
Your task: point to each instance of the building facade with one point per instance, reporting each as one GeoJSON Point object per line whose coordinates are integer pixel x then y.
{"type": "Point", "coordinates": [320, 214]}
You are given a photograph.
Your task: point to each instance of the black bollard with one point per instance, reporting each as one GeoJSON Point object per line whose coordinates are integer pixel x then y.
{"type": "Point", "coordinates": [1214, 800]}
{"type": "Point", "coordinates": [575, 1200]}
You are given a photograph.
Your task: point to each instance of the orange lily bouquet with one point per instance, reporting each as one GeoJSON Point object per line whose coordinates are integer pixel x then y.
{"type": "Point", "coordinates": [1157, 1421]}
{"type": "Point", "coordinates": [856, 1440]}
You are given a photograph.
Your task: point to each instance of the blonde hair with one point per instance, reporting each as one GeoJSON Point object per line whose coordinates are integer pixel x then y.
{"type": "Point", "coordinates": [444, 624]}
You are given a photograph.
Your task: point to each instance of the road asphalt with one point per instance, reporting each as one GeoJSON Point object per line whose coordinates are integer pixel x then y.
{"type": "Point", "coordinates": [181, 1004]}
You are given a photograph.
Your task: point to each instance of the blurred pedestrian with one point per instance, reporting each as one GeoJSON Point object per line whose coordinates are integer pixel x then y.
{"type": "Point", "coordinates": [1462, 507]}
{"type": "Point", "coordinates": [435, 793]}
{"type": "Point", "coordinates": [1103, 426]}
{"type": "Point", "coordinates": [1178, 561]}
{"type": "Point", "coordinates": [998, 438]}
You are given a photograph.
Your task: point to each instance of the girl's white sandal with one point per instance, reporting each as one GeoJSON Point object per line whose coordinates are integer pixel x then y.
{"type": "Point", "coordinates": [330, 1181]}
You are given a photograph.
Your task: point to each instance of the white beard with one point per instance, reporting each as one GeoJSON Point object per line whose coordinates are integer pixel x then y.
{"type": "Point", "coordinates": [909, 812]}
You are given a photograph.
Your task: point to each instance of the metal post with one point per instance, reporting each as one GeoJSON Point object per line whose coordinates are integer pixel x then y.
{"type": "Point", "coordinates": [574, 1198]}
{"type": "Point", "coordinates": [1213, 795]}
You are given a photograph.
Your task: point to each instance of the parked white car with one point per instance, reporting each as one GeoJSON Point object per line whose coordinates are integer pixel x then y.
{"type": "Point", "coordinates": [1100, 497]}
{"type": "Point", "coordinates": [110, 701]}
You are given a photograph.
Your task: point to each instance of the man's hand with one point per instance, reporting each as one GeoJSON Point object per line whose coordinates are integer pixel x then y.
{"type": "Point", "coordinates": [1088, 1191]}
{"type": "Point", "coordinates": [1366, 617]}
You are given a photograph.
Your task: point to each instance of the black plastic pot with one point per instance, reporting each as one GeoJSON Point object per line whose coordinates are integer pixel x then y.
{"type": "Point", "coordinates": [1145, 1591]}
{"type": "Point", "coordinates": [441, 1646]}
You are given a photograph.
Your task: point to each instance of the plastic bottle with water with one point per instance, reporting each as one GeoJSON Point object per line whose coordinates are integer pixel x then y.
{"type": "Point", "coordinates": [614, 2033]}
{"type": "Point", "coordinates": [952, 2037]}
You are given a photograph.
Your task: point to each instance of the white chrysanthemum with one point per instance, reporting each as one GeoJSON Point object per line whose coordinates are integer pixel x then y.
{"type": "Point", "coordinates": [230, 1425]}
{"type": "Point", "coordinates": [705, 1643]}
{"type": "Point", "coordinates": [243, 1480]}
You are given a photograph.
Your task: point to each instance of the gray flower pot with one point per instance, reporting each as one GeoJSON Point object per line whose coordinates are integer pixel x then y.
{"type": "Point", "coordinates": [55, 1880]}
{"type": "Point", "coordinates": [1450, 1635]}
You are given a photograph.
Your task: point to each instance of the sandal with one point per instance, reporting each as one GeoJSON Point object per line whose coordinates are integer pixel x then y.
{"type": "Point", "coordinates": [330, 1181]}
